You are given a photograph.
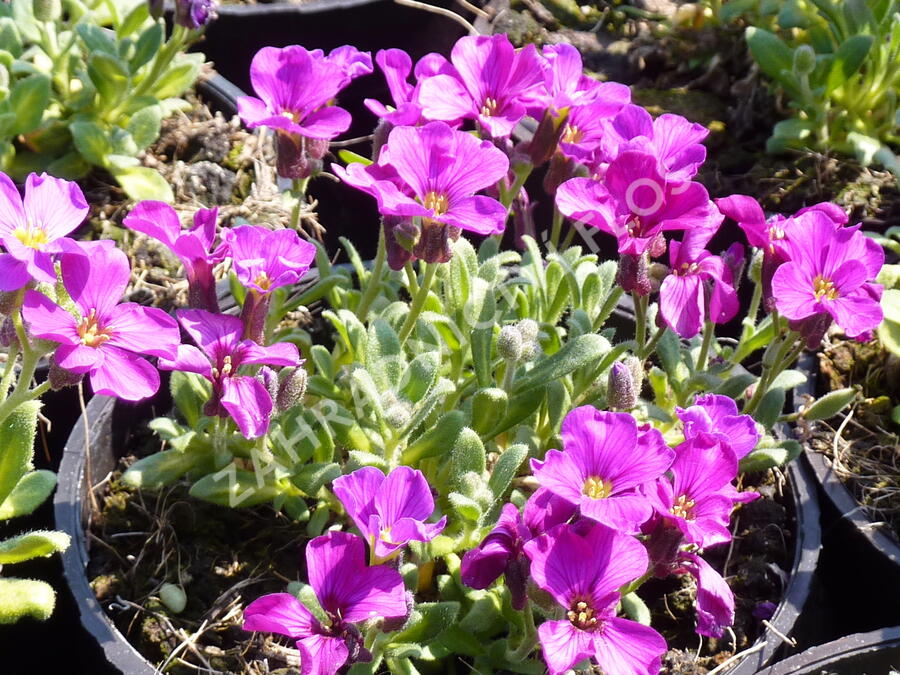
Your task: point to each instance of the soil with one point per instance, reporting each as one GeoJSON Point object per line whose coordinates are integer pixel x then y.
{"type": "Point", "coordinates": [864, 445]}
{"type": "Point", "coordinates": [225, 558]}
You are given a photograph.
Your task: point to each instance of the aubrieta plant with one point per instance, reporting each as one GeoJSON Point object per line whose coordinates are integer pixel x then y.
{"type": "Point", "coordinates": [491, 456]}
{"type": "Point", "coordinates": [87, 84]}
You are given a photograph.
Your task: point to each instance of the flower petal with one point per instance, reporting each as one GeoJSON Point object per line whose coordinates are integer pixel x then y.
{"type": "Point", "coordinates": [124, 375]}
{"type": "Point", "coordinates": [249, 404]}
{"type": "Point", "coordinates": [625, 646]}
{"type": "Point", "coordinates": [54, 205]}
{"type": "Point", "coordinates": [143, 330]}
{"type": "Point", "coordinates": [48, 320]}
{"type": "Point", "coordinates": [322, 655]}
{"type": "Point", "coordinates": [280, 613]}
{"type": "Point", "coordinates": [563, 645]}
{"type": "Point", "coordinates": [357, 492]}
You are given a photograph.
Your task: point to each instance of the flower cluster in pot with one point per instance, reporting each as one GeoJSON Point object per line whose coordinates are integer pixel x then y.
{"type": "Point", "coordinates": [476, 417]}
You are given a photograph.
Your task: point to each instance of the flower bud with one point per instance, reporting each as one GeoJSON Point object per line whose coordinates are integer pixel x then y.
{"type": "Point", "coordinates": [620, 390]}
{"type": "Point", "coordinates": [60, 378]}
{"type": "Point", "coordinates": [8, 336]}
{"type": "Point", "coordinates": [193, 14]}
{"type": "Point", "coordinates": [298, 156]}
{"type": "Point", "coordinates": [561, 169]}
{"type": "Point", "coordinates": [804, 60]}
{"type": "Point", "coordinates": [546, 136]}
{"type": "Point", "coordinates": [291, 389]}
{"type": "Point", "coordinates": [9, 303]}
{"type": "Point", "coordinates": [46, 10]}
{"type": "Point", "coordinates": [509, 343]}
{"type": "Point", "coordinates": [636, 366]}
{"type": "Point", "coordinates": [632, 274]}
{"type": "Point", "coordinates": [734, 260]}
{"type": "Point", "coordinates": [434, 245]}
{"type": "Point", "coordinates": [658, 245]}
{"type": "Point", "coordinates": [398, 415]}
{"type": "Point", "coordinates": [269, 379]}
{"type": "Point", "coordinates": [529, 329]}
{"type": "Point", "coordinates": [156, 8]}
{"type": "Point", "coordinates": [400, 238]}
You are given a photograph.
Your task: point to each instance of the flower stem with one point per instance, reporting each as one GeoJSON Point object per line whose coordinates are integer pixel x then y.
{"type": "Point", "coordinates": [784, 356]}
{"type": "Point", "coordinates": [298, 191]}
{"type": "Point", "coordinates": [611, 301]}
{"type": "Point", "coordinates": [527, 645]}
{"type": "Point", "coordinates": [11, 357]}
{"type": "Point", "coordinates": [418, 301]}
{"type": "Point", "coordinates": [709, 331]}
{"type": "Point", "coordinates": [640, 324]}
{"type": "Point", "coordinates": [373, 283]}
{"type": "Point", "coordinates": [556, 230]}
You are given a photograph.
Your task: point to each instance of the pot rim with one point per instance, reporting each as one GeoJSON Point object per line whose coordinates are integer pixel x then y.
{"type": "Point", "coordinates": [824, 655]}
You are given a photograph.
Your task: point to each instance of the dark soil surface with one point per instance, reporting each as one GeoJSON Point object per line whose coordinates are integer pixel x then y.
{"type": "Point", "coordinates": [864, 445]}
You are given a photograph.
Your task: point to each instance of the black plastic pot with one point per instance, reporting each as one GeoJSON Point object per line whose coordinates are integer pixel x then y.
{"type": "Point", "coordinates": [852, 543]}
{"type": "Point", "coordinates": [874, 653]}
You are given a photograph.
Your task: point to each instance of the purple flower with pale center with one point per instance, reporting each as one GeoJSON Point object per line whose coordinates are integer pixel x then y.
{"type": "Point", "coordinates": [673, 140]}
{"type": "Point", "coordinates": [585, 129]}
{"type": "Point", "coordinates": [715, 599]}
{"type": "Point", "coordinates": [220, 354]}
{"type": "Point", "coordinates": [606, 458]}
{"type": "Point", "coordinates": [565, 84]}
{"type": "Point", "coordinates": [830, 276]}
{"type": "Point", "coordinates": [296, 89]}
{"type": "Point", "coordinates": [31, 230]}
{"type": "Point", "coordinates": [390, 511]}
{"type": "Point", "coordinates": [718, 415]}
{"type": "Point", "coordinates": [502, 550]}
{"type": "Point", "coordinates": [107, 339]}
{"type": "Point", "coordinates": [697, 498]}
{"type": "Point", "coordinates": [193, 246]}
{"type": "Point", "coordinates": [397, 66]}
{"type": "Point", "coordinates": [700, 288]}
{"type": "Point", "coordinates": [584, 575]}
{"type": "Point", "coordinates": [493, 84]}
{"type": "Point", "coordinates": [348, 591]}
{"type": "Point", "coordinates": [636, 203]}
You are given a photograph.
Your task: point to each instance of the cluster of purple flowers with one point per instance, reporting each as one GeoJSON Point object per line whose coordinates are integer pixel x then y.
{"type": "Point", "coordinates": [107, 340]}
{"type": "Point", "coordinates": [615, 507]}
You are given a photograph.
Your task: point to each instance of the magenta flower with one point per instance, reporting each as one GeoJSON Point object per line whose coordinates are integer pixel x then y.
{"type": "Point", "coordinates": [264, 260]}
{"type": "Point", "coordinates": [31, 229]}
{"type": "Point", "coordinates": [193, 246]}
{"type": "Point", "coordinates": [718, 415]}
{"type": "Point", "coordinates": [584, 575]}
{"type": "Point", "coordinates": [296, 88]}
{"type": "Point", "coordinates": [107, 339]}
{"type": "Point", "coordinates": [390, 511]}
{"type": "Point", "coordinates": [585, 131]}
{"type": "Point", "coordinates": [700, 288]}
{"type": "Point", "coordinates": [830, 276]}
{"type": "Point", "coordinates": [220, 355]}
{"type": "Point", "coordinates": [348, 591]}
{"type": "Point", "coordinates": [194, 14]}
{"type": "Point", "coordinates": [715, 599]}
{"type": "Point", "coordinates": [606, 457]}
{"type": "Point", "coordinates": [566, 85]}
{"type": "Point", "coordinates": [635, 203]}
{"type": "Point", "coordinates": [697, 499]}
{"type": "Point", "coordinates": [396, 66]}
{"type": "Point", "coordinates": [502, 550]}
{"type": "Point", "coordinates": [493, 84]}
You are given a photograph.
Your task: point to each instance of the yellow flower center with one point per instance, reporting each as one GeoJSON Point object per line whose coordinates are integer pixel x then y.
{"type": "Point", "coordinates": [489, 109]}
{"type": "Point", "coordinates": [263, 281]}
{"type": "Point", "coordinates": [824, 288]}
{"type": "Point", "coordinates": [683, 507]}
{"type": "Point", "coordinates": [689, 268]}
{"type": "Point", "coordinates": [90, 332]}
{"type": "Point", "coordinates": [596, 488]}
{"type": "Point", "coordinates": [32, 237]}
{"type": "Point", "coordinates": [436, 202]}
{"type": "Point", "coordinates": [385, 535]}
{"type": "Point", "coordinates": [582, 616]}
{"type": "Point", "coordinates": [572, 134]}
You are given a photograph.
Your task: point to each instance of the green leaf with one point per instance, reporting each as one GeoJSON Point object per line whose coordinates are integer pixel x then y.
{"type": "Point", "coordinates": [482, 337]}
{"type": "Point", "coordinates": [467, 455]}
{"type": "Point", "coordinates": [635, 608]}
{"type": "Point", "coordinates": [142, 182]}
{"type": "Point", "coordinates": [789, 379]}
{"type": "Point", "coordinates": [428, 620]}
{"type": "Point", "coordinates": [313, 476]}
{"type": "Point", "coordinates": [29, 493]}
{"type": "Point", "coordinates": [577, 353]}
{"type": "Point", "coordinates": [71, 166]}
{"type": "Point", "coordinates": [766, 458]}
{"type": "Point", "coordinates": [28, 99]}
{"type": "Point", "coordinates": [384, 355]}
{"type": "Point", "coordinates": [772, 54]}
{"type": "Point", "coordinates": [420, 376]}
{"type": "Point", "coordinates": [771, 407]}
{"type": "Point", "coordinates": [25, 597]}
{"type": "Point", "coordinates": [234, 488]}
{"type": "Point", "coordinates": [91, 141]}
{"type": "Point", "coordinates": [38, 544]}
{"type": "Point", "coordinates": [735, 385]}
{"type": "Point", "coordinates": [96, 39]}
{"type": "Point", "coordinates": [189, 392]}
{"type": "Point", "coordinates": [144, 126]}
{"type": "Point", "coordinates": [17, 443]}
{"type": "Point", "coordinates": [830, 404]}
{"type": "Point", "coordinates": [847, 60]}
{"type": "Point", "coordinates": [488, 408]}
{"type": "Point", "coordinates": [505, 469]}
{"type": "Point", "coordinates": [109, 76]}
{"type": "Point", "coordinates": [349, 157]}
{"type": "Point", "coordinates": [162, 468]}
{"type": "Point", "coordinates": [146, 47]}
{"type": "Point", "coordinates": [178, 77]}
{"type": "Point", "coordinates": [466, 507]}
{"type": "Point", "coordinates": [437, 440]}
{"type": "Point", "coordinates": [133, 20]}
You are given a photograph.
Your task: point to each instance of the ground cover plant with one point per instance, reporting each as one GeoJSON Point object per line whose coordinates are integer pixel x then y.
{"type": "Point", "coordinates": [471, 412]}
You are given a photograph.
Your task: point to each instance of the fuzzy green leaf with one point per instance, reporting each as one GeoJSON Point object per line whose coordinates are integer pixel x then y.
{"type": "Point", "coordinates": [580, 352]}
{"type": "Point", "coordinates": [830, 404]}
{"type": "Point", "coordinates": [29, 493]}
{"type": "Point", "coordinates": [25, 597]}
{"type": "Point", "coordinates": [28, 99]}
{"type": "Point", "coordinates": [142, 182]}
{"type": "Point", "coordinates": [848, 59]}
{"type": "Point", "coordinates": [37, 544]}
{"type": "Point", "coordinates": [16, 446]}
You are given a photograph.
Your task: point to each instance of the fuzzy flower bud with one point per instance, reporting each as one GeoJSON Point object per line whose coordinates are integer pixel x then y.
{"type": "Point", "coordinates": [620, 393]}
{"type": "Point", "coordinates": [804, 60]}
{"type": "Point", "coordinates": [509, 343]}
{"type": "Point", "coordinates": [8, 335]}
{"type": "Point", "coordinates": [397, 415]}
{"type": "Point", "coordinates": [291, 389]}
{"type": "Point", "coordinates": [632, 274]}
{"type": "Point", "coordinates": [47, 10]}
{"type": "Point", "coordinates": [269, 379]}
{"type": "Point", "coordinates": [194, 14]}
{"type": "Point", "coordinates": [60, 378]}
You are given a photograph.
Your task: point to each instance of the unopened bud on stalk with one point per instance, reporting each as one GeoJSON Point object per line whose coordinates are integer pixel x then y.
{"type": "Point", "coordinates": [398, 415]}
{"type": "Point", "coordinates": [509, 343]}
{"type": "Point", "coordinates": [400, 238]}
{"type": "Point", "coordinates": [47, 10]}
{"type": "Point", "coordinates": [269, 379]}
{"type": "Point", "coordinates": [292, 388]}
{"type": "Point", "coordinates": [636, 366]}
{"type": "Point", "coordinates": [8, 335]}
{"type": "Point", "coordinates": [620, 394]}
{"type": "Point", "coordinates": [156, 8]}
{"type": "Point", "coordinates": [9, 303]}
{"type": "Point", "coordinates": [734, 260]}
{"type": "Point", "coordinates": [632, 274]}
{"type": "Point", "coordinates": [529, 330]}
{"type": "Point", "coordinates": [60, 378]}
{"type": "Point", "coordinates": [804, 60]}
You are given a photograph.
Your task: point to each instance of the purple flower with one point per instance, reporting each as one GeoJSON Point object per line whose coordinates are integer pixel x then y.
{"type": "Point", "coordinates": [193, 246]}
{"type": "Point", "coordinates": [194, 14]}
{"type": "Point", "coordinates": [222, 352]}
{"type": "Point", "coordinates": [264, 260]}
{"type": "Point", "coordinates": [584, 575]}
{"type": "Point", "coordinates": [106, 339]}
{"type": "Point", "coordinates": [391, 510]}
{"type": "Point", "coordinates": [606, 457]}
{"type": "Point", "coordinates": [31, 229]}
{"type": "Point", "coordinates": [396, 66]}
{"type": "Point", "coordinates": [502, 550]}
{"type": "Point", "coordinates": [432, 172]}
{"type": "Point", "coordinates": [296, 88]}
{"type": "Point", "coordinates": [493, 84]}
{"type": "Point", "coordinates": [718, 415]}
{"type": "Point", "coordinates": [566, 85]}
{"type": "Point", "coordinates": [830, 276]}
{"type": "Point", "coordinates": [695, 500]}
{"type": "Point", "coordinates": [635, 203]}
{"type": "Point", "coordinates": [700, 287]}
{"type": "Point", "coordinates": [348, 591]}
{"type": "Point", "coordinates": [585, 130]}
{"type": "Point", "coordinates": [715, 599]}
